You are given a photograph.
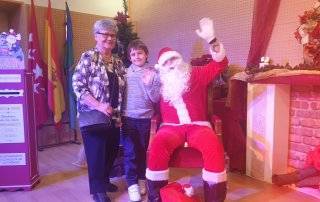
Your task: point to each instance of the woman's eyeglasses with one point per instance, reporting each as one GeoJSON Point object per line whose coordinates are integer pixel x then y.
{"type": "Point", "coordinates": [113, 36]}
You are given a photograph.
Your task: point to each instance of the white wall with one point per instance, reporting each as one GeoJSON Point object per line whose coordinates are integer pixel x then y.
{"type": "Point", "coordinates": [172, 23]}
{"type": "Point", "coordinates": [97, 7]}
{"type": "Point", "coordinates": [283, 47]}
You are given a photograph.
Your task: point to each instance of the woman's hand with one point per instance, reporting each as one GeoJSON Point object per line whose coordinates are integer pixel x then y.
{"type": "Point", "coordinates": [105, 108]}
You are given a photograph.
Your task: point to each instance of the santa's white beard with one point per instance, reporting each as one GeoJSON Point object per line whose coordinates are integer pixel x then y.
{"type": "Point", "coordinates": [174, 81]}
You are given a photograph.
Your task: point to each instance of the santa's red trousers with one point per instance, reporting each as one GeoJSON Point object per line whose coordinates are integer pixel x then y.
{"type": "Point", "coordinates": [202, 138]}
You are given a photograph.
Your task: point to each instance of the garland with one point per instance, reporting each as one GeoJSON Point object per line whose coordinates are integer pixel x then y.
{"type": "Point", "coordinates": [302, 66]}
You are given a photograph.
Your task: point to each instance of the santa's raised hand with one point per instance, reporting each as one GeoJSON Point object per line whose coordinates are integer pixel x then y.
{"type": "Point", "coordinates": [206, 30]}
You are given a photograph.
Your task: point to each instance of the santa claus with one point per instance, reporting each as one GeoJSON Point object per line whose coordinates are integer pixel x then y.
{"type": "Point", "coordinates": [184, 115]}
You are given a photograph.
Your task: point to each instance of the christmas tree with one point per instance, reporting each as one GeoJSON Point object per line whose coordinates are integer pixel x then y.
{"type": "Point", "coordinates": [125, 33]}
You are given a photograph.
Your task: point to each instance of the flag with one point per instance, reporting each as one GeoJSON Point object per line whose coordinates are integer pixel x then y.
{"type": "Point", "coordinates": [56, 101]}
{"type": "Point", "coordinates": [38, 67]}
{"type": "Point", "coordinates": [68, 62]}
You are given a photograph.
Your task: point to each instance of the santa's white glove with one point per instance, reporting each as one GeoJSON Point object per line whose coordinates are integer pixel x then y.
{"type": "Point", "coordinates": [206, 30]}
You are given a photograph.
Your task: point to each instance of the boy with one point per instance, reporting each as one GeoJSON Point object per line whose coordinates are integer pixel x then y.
{"type": "Point", "coordinates": [141, 93]}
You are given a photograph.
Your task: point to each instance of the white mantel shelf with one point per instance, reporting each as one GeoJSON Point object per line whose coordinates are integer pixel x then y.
{"type": "Point", "coordinates": [285, 76]}
{"type": "Point", "coordinates": [281, 76]}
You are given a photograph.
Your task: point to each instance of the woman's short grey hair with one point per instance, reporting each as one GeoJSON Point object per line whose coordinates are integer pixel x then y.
{"type": "Point", "coordinates": [105, 25]}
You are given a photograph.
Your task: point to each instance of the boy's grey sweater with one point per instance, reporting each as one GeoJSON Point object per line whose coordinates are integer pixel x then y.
{"type": "Point", "coordinates": [139, 98]}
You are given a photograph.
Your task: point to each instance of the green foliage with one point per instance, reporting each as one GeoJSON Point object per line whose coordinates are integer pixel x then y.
{"type": "Point", "coordinates": [125, 6]}
{"type": "Point", "coordinates": [125, 33]}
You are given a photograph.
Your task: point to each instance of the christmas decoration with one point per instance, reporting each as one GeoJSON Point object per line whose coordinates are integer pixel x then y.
{"type": "Point", "coordinates": [264, 61]}
{"type": "Point", "coordinates": [302, 66]}
{"type": "Point", "coordinates": [11, 53]}
{"type": "Point", "coordinates": [308, 34]}
{"type": "Point", "coordinates": [9, 44]}
{"type": "Point", "coordinates": [125, 33]}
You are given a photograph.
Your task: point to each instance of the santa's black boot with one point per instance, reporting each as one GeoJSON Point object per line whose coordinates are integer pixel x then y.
{"type": "Point", "coordinates": [154, 190]}
{"type": "Point", "coordinates": [215, 192]}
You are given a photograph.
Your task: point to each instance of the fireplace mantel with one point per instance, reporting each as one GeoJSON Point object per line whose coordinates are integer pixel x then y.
{"type": "Point", "coordinates": [284, 76]}
{"type": "Point", "coordinates": [268, 118]}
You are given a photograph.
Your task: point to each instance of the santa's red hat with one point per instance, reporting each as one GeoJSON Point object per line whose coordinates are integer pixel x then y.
{"type": "Point", "coordinates": [167, 53]}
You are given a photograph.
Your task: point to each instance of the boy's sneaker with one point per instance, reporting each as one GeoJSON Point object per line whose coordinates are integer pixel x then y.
{"type": "Point", "coordinates": [142, 186]}
{"type": "Point", "coordinates": [80, 164]}
{"type": "Point", "coordinates": [134, 194]}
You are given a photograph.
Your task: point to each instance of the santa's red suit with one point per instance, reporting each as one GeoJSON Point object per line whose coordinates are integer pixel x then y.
{"type": "Point", "coordinates": [185, 120]}
{"type": "Point", "coordinates": [313, 158]}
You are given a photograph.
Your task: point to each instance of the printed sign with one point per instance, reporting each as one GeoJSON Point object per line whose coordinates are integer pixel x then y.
{"type": "Point", "coordinates": [11, 123]}
{"type": "Point", "coordinates": [12, 159]}
{"type": "Point", "coordinates": [10, 78]}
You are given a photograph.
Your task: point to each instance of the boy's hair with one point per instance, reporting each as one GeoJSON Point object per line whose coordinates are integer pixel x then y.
{"type": "Point", "coordinates": [137, 44]}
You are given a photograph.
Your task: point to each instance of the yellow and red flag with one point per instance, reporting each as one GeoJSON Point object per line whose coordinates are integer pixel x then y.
{"type": "Point", "coordinates": [56, 100]}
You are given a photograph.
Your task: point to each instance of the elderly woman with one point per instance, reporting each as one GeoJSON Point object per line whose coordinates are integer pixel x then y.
{"type": "Point", "coordinates": [98, 84]}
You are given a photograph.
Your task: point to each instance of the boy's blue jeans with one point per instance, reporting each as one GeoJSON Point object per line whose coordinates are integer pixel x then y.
{"type": "Point", "coordinates": [135, 139]}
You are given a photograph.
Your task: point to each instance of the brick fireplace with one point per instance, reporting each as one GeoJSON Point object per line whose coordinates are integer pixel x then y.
{"type": "Point", "coordinates": [304, 133]}
{"type": "Point", "coordinates": [283, 123]}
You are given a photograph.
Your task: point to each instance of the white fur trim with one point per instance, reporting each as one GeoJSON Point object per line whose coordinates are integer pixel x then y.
{"type": "Point", "coordinates": [182, 112]}
{"type": "Point", "coordinates": [160, 175]}
{"type": "Point", "coordinates": [214, 177]}
{"type": "Point", "coordinates": [218, 56]}
{"type": "Point", "coordinates": [167, 55]}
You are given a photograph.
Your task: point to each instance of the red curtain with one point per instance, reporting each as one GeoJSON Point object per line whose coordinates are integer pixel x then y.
{"type": "Point", "coordinates": [264, 16]}
{"type": "Point", "coordinates": [234, 117]}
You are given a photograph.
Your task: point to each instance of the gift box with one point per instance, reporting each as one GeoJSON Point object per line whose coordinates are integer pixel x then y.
{"type": "Point", "coordinates": [175, 192]}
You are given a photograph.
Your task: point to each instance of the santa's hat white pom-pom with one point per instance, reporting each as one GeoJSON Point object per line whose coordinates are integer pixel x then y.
{"type": "Point", "coordinates": [188, 190]}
